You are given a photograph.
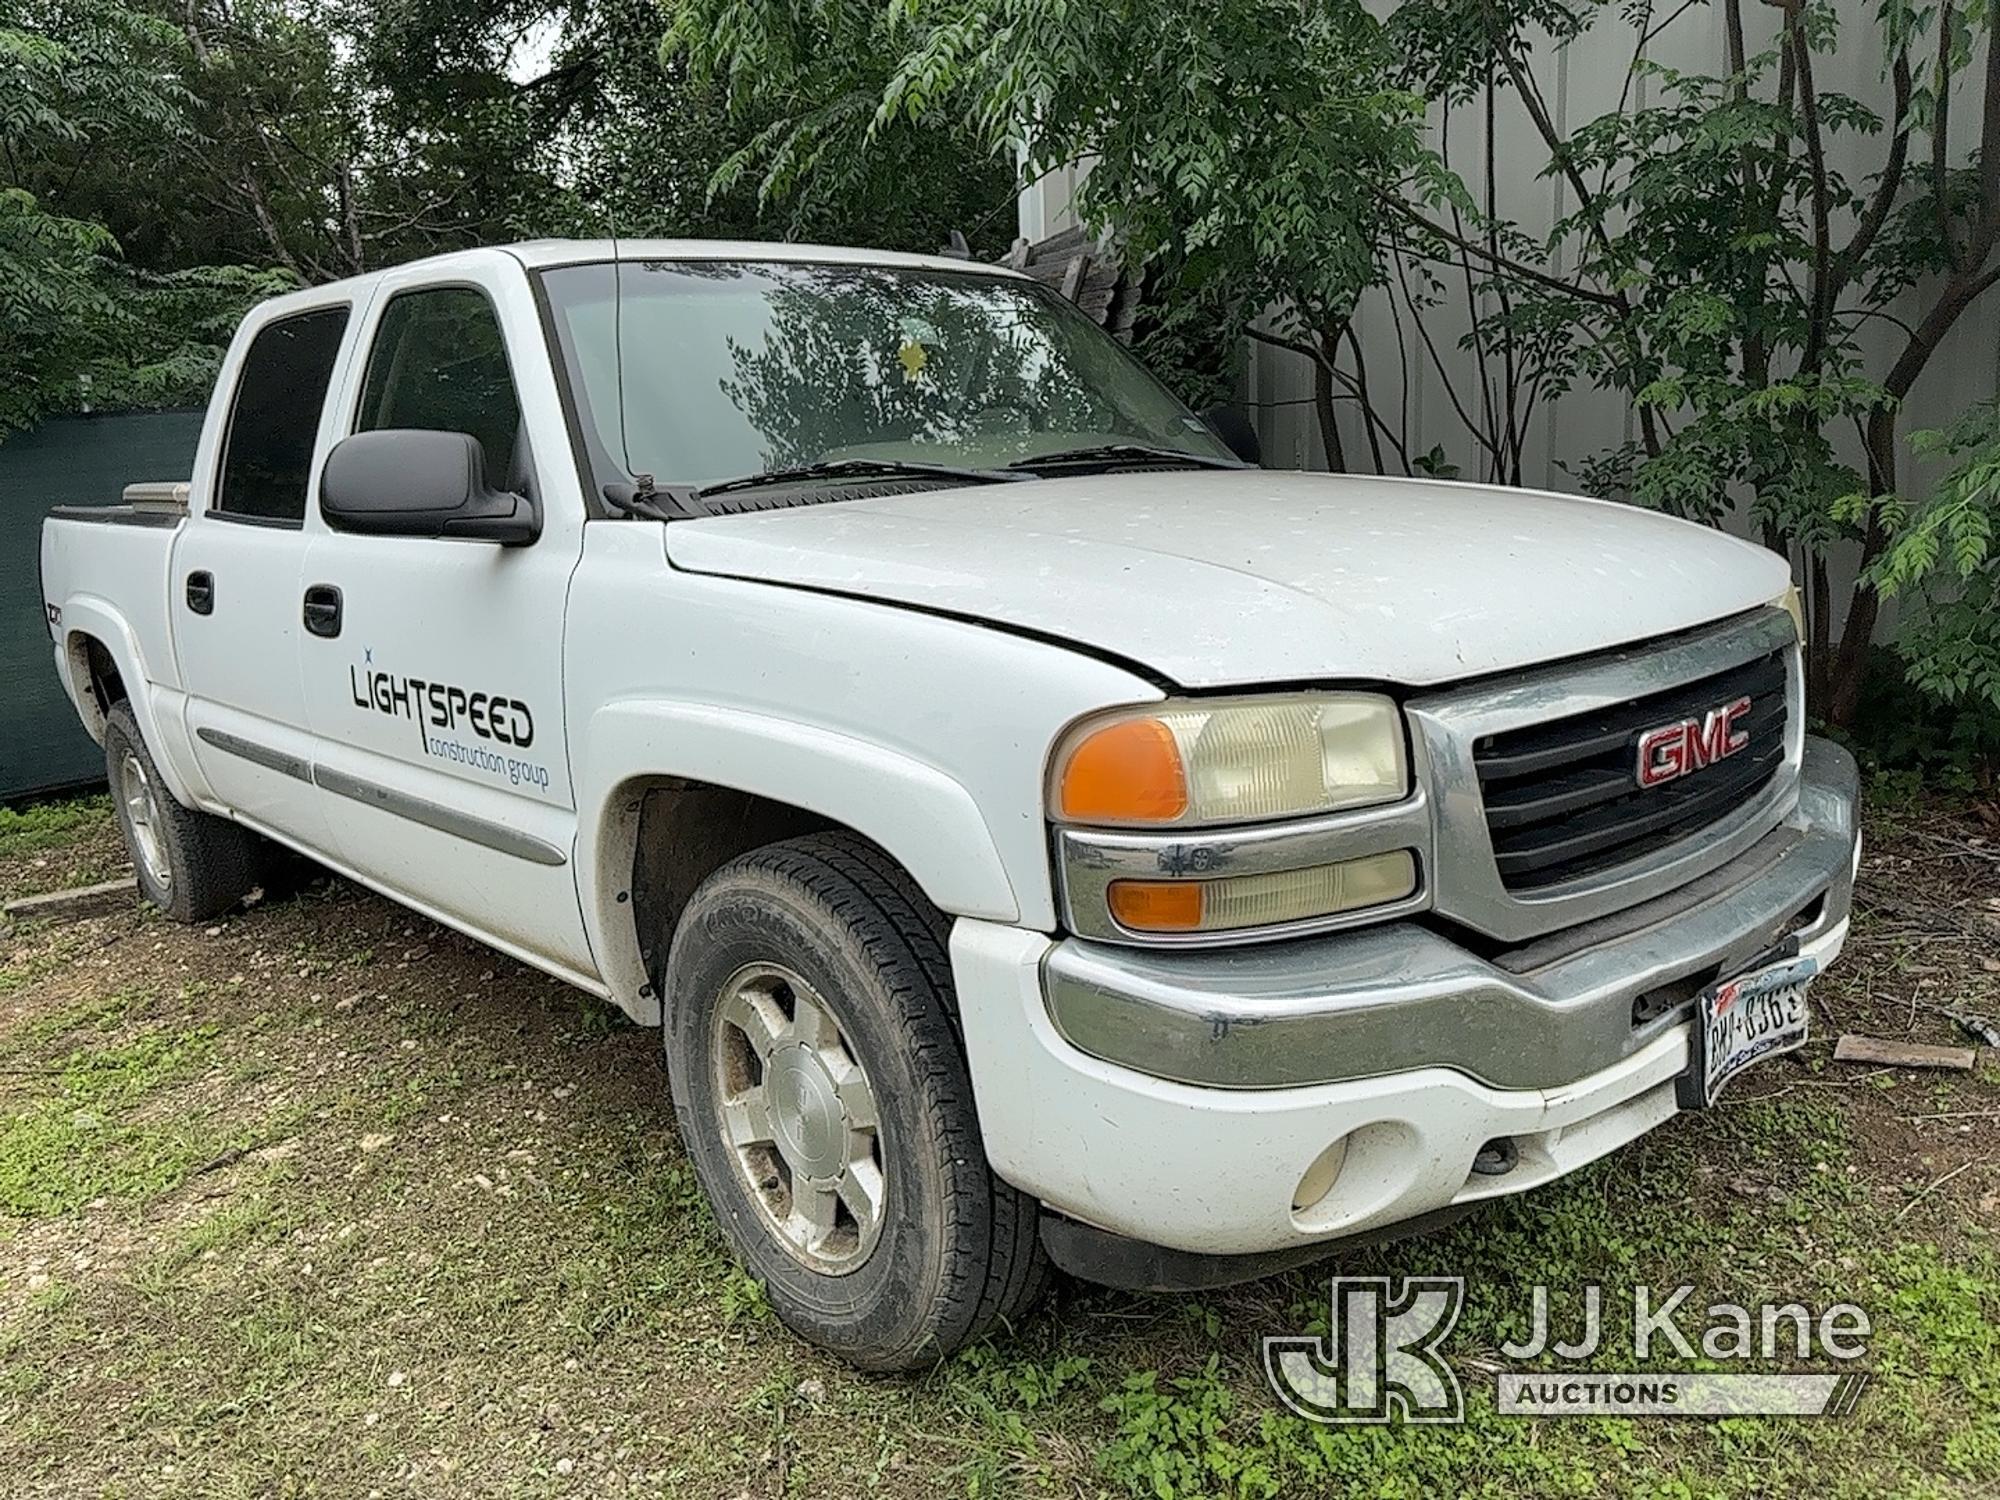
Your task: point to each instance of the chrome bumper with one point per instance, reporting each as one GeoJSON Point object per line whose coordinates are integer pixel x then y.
{"type": "Point", "coordinates": [1404, 996]}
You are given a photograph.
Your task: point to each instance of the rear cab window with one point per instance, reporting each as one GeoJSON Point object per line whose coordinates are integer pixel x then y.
{"type": "Point", "coordinates": [274, 422]}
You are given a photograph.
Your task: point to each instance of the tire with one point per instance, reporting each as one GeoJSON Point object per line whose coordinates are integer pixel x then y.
{"type": "Point", "coordinates": [191, 865]}
{"type": "Point", "coordinates": [828, 950]}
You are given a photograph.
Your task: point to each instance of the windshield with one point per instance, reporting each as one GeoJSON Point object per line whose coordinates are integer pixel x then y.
{"type": "Point", "coordinates": [738, 368]}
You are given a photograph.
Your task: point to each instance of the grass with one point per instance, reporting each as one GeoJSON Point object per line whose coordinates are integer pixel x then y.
{"type": "Point", "coordinates": [48, 846]}
{"type": "Point", "coordinates": [333, 1202]}
{"type": "Point", "coordinates": [49, 825]}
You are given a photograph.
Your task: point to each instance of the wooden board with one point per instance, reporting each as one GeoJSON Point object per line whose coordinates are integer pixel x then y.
{"type": "Point", "coordinates": [1874, 1049]}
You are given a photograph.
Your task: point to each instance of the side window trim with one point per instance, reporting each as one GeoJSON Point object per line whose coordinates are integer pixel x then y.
{"type": "Point", "coordinates": [212, 507]}
{"type": "Point", "coordinates": [244, 518]}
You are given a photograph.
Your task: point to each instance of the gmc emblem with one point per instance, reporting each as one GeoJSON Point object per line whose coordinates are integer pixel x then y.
{"type": "Point", "coordinates": [1676, 750]}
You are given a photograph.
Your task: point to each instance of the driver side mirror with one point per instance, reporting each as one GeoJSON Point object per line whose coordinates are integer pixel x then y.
{"type": "Point", "coordinates": [411, 482]}
{"type": "Point", "coordinates": [1238, 434]}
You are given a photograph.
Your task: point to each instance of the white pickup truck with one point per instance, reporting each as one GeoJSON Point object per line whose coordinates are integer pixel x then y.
{"type": "Point", "coordinates": [1041, 834]}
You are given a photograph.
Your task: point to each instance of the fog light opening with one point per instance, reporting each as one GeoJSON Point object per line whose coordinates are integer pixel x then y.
{"type": "Point", "coordinates": [1497, 1157]}
{"type": "Point", "coordinates": [1320, 1177]}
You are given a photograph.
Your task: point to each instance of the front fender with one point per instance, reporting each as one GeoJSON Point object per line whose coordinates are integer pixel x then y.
{"type": "Point", "coordinates": [926, 820]}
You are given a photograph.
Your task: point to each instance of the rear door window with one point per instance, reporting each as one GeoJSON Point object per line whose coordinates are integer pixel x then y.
{"type": "Point", "coordinates": [274, 424]}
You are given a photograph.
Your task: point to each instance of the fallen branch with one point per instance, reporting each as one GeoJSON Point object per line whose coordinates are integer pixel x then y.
{"type": "Point", "coordinates": [1961, 1167]}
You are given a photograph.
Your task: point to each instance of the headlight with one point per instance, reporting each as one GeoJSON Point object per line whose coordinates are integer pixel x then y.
{"type": "Point", "coordinates": [1794, 605]}
{"type": "Point", "coordinates": [1231, 760]}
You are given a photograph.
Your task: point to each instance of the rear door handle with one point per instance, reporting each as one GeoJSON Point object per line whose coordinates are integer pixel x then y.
{"type": "Point", "coordinates": [201, 592]}
{"type": "Point", "coordinates": [322, 609]}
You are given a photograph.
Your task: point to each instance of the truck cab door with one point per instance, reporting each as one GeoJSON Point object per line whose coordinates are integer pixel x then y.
{"type": "Point", "coordinates": [233, 576]}
{"type": "Point", "coordinates": [432, 666]}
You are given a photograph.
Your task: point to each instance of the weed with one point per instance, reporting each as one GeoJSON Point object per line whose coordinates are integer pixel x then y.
{"type": "Point", "coordinates": [744, 1298]}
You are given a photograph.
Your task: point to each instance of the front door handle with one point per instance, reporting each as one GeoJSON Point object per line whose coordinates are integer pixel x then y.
{"type": "Point", "coordinates": [322, 609]}
{"type": "Point", "coordinates": [201, 592]}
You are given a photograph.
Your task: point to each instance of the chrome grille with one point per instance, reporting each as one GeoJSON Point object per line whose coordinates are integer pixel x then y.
{"type": "Point", "coordinates": [1562, 798]}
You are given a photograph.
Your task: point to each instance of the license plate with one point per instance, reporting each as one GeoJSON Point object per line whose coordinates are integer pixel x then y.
{"type": "Point", "coordinates": [1744, 1021]}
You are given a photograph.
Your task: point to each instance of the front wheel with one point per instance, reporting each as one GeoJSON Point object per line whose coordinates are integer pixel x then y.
{"type": "Point", "coordinates": [823, 1097]}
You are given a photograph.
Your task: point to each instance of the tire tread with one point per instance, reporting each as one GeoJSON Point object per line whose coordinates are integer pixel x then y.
{"type": "Point", "coordinates": [214, 862]}
{"type": "Point", "coordinates": [995, 1268]}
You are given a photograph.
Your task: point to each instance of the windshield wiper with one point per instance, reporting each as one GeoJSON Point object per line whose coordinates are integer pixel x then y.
{"type": "Point", "coordinates": [1117, 453]}
{"type": "Point", "coordinates": [842, 468]}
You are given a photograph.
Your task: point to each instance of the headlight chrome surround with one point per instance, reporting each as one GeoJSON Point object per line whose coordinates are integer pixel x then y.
{"type": "Point", "coordinates": [1251, 879]}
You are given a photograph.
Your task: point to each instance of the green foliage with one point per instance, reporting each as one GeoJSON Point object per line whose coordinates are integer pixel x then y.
{"type": "Point", "coordinates": [1268, 160]}
{"type": "Point", "coordinates": [163, 166]}
{"type": "Point", "coordinates": [49, 825]}
{"type": "Point", "coordinates": [89, 1137]}
{"type": "Point", "coordinates": [1940, 560]}
{"type": "Point", "coordinates": [79, 327]}
{"type": "Point", "coordinates": [1243, 146]}
{"type": "Point", "coordinates": [1909, 737]}
{"type": "Point", "coordinates": [1702, 211]}
{"type": "Point", "coordinates": [80, 330]}
{"type": "Point", "coordinates": [1175, 1440]}
{"type": "Point", "coordinates": [1721, 271]}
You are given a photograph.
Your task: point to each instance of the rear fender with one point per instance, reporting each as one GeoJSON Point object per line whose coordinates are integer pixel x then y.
{"type": "Point", "coordinates": [87, 617]}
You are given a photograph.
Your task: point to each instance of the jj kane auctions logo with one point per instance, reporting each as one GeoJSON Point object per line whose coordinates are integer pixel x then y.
{"type": "Point", "coordinates": [1383, 1356]}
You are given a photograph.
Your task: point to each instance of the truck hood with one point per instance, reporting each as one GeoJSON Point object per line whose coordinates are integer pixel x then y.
{"type": "Point", "coordinates": [1216, 578]}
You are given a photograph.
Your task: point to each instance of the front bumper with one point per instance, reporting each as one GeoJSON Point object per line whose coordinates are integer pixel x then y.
{"type": "Point", "coordinates": [1180, 1098]}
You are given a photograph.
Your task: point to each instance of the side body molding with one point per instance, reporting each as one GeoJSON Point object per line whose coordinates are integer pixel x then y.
{"type": "Point", "coordinates": [924, 818]}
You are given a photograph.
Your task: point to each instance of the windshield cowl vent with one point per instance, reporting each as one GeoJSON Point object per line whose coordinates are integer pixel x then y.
{"type": "Point", "coordinates": [749, 502]}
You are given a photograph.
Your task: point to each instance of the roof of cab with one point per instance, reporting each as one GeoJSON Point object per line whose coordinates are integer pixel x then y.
{"type": "Point", "coordinates": [537, 255]}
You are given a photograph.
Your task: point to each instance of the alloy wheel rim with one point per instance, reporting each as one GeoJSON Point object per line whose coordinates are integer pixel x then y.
{"type": "Point", "coordinates": [142, 816]}
{"type": "Point", "coordinates": [798, 1113]}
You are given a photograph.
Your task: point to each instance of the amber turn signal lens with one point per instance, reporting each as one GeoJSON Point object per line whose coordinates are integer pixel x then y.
{"type": "Point", "coordinates": [1239, 902]}
{"type": "Point", "coordinates": [1156, 905]}
{"type": "Point", "coordinates": [1127, 772]}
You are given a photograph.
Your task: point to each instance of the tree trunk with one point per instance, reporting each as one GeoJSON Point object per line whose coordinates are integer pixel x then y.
{"type": "Point", "coordinates": [1329, 431]}
{"type": "Point", "coordinates": [1850, 665]}
{"type": "Point", "coordinates": [1819, 628]}
{"type": "Point", "coordinates": [1841, 696]}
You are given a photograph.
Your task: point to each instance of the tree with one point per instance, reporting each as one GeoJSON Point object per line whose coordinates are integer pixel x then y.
{"type": "Point", "coordinates": [79, 326]}
{"type": "Point", "coordinates": [1240, 145]}
{"type": "Point", "coordinates": [342, 135]}
{"type": "Point", "coordinates": [1722, 272]}
{"type": "Point", "coordinates": [1713, 265]}
{"type": "Point", "coordinates": [166, 162]}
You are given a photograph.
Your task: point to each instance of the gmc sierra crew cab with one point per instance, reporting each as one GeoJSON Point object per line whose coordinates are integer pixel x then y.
{"type": "Point", "coordinates": [1042, 836]}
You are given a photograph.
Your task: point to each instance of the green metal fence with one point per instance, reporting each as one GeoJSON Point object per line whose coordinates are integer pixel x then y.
{"type": "Point", "coordinates": [69, 461]}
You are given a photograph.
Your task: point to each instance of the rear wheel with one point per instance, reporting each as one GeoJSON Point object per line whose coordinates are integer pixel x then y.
{"type": "Point", "coordinates": [823, 1097]}
{"type": "Point", "coordinates": [191, 865]}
